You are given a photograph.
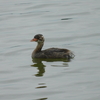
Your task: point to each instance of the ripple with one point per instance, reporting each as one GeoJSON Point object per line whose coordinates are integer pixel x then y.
{"type": "Point", "coordinates": [42, 99]}
{"type": "Point", "coordinates": [66, 18]}
{"type": "Point", "coordinates": [39, 6]}
{"type": "Point", "coordinates": [41, 87]}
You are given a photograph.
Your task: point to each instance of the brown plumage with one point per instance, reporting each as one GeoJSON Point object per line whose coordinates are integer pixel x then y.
{"type": "Point", "coordinates": [54, 53]}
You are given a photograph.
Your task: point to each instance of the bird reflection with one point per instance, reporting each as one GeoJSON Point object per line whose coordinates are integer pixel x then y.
{"type": "Point", "coordinates": [41, 67]}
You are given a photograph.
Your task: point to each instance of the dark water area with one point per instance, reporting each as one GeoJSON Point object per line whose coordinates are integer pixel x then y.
{"type": "Point", "coordinates": [74, 25]}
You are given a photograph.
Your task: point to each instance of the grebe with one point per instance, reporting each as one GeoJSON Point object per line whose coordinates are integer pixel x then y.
{"type": "Point", "coordinates": [54, 53]}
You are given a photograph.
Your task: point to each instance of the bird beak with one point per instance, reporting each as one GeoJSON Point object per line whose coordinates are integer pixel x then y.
{"type": "Point", "coordinates": [33, 40]}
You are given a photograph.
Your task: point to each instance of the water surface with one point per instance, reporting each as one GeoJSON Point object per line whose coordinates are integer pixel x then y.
{"type": "Point", "coordinates": [73, 24]}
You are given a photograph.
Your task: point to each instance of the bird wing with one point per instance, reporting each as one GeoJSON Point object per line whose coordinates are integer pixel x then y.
{"type": "Point", "coordinates": [53, 53]}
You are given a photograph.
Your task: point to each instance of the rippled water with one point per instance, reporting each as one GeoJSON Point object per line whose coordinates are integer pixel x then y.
{"type": "Point", "coordinates": [72, 24]}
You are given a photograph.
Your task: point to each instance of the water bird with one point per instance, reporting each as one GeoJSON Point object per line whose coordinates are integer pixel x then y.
{"type": "Point", "coordinates": [52, 53]}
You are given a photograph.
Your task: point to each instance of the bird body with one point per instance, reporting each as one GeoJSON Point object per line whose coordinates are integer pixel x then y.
{"type": "Point", "coordinates": [54, 53]}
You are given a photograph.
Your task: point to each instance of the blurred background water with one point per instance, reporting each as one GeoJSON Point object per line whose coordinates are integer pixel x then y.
{"type": "Point", "coordinates": [72, 24]}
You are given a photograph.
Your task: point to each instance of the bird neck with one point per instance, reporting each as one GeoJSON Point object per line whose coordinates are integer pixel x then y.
{"type": "Point", "coordinates": [38, 47]}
